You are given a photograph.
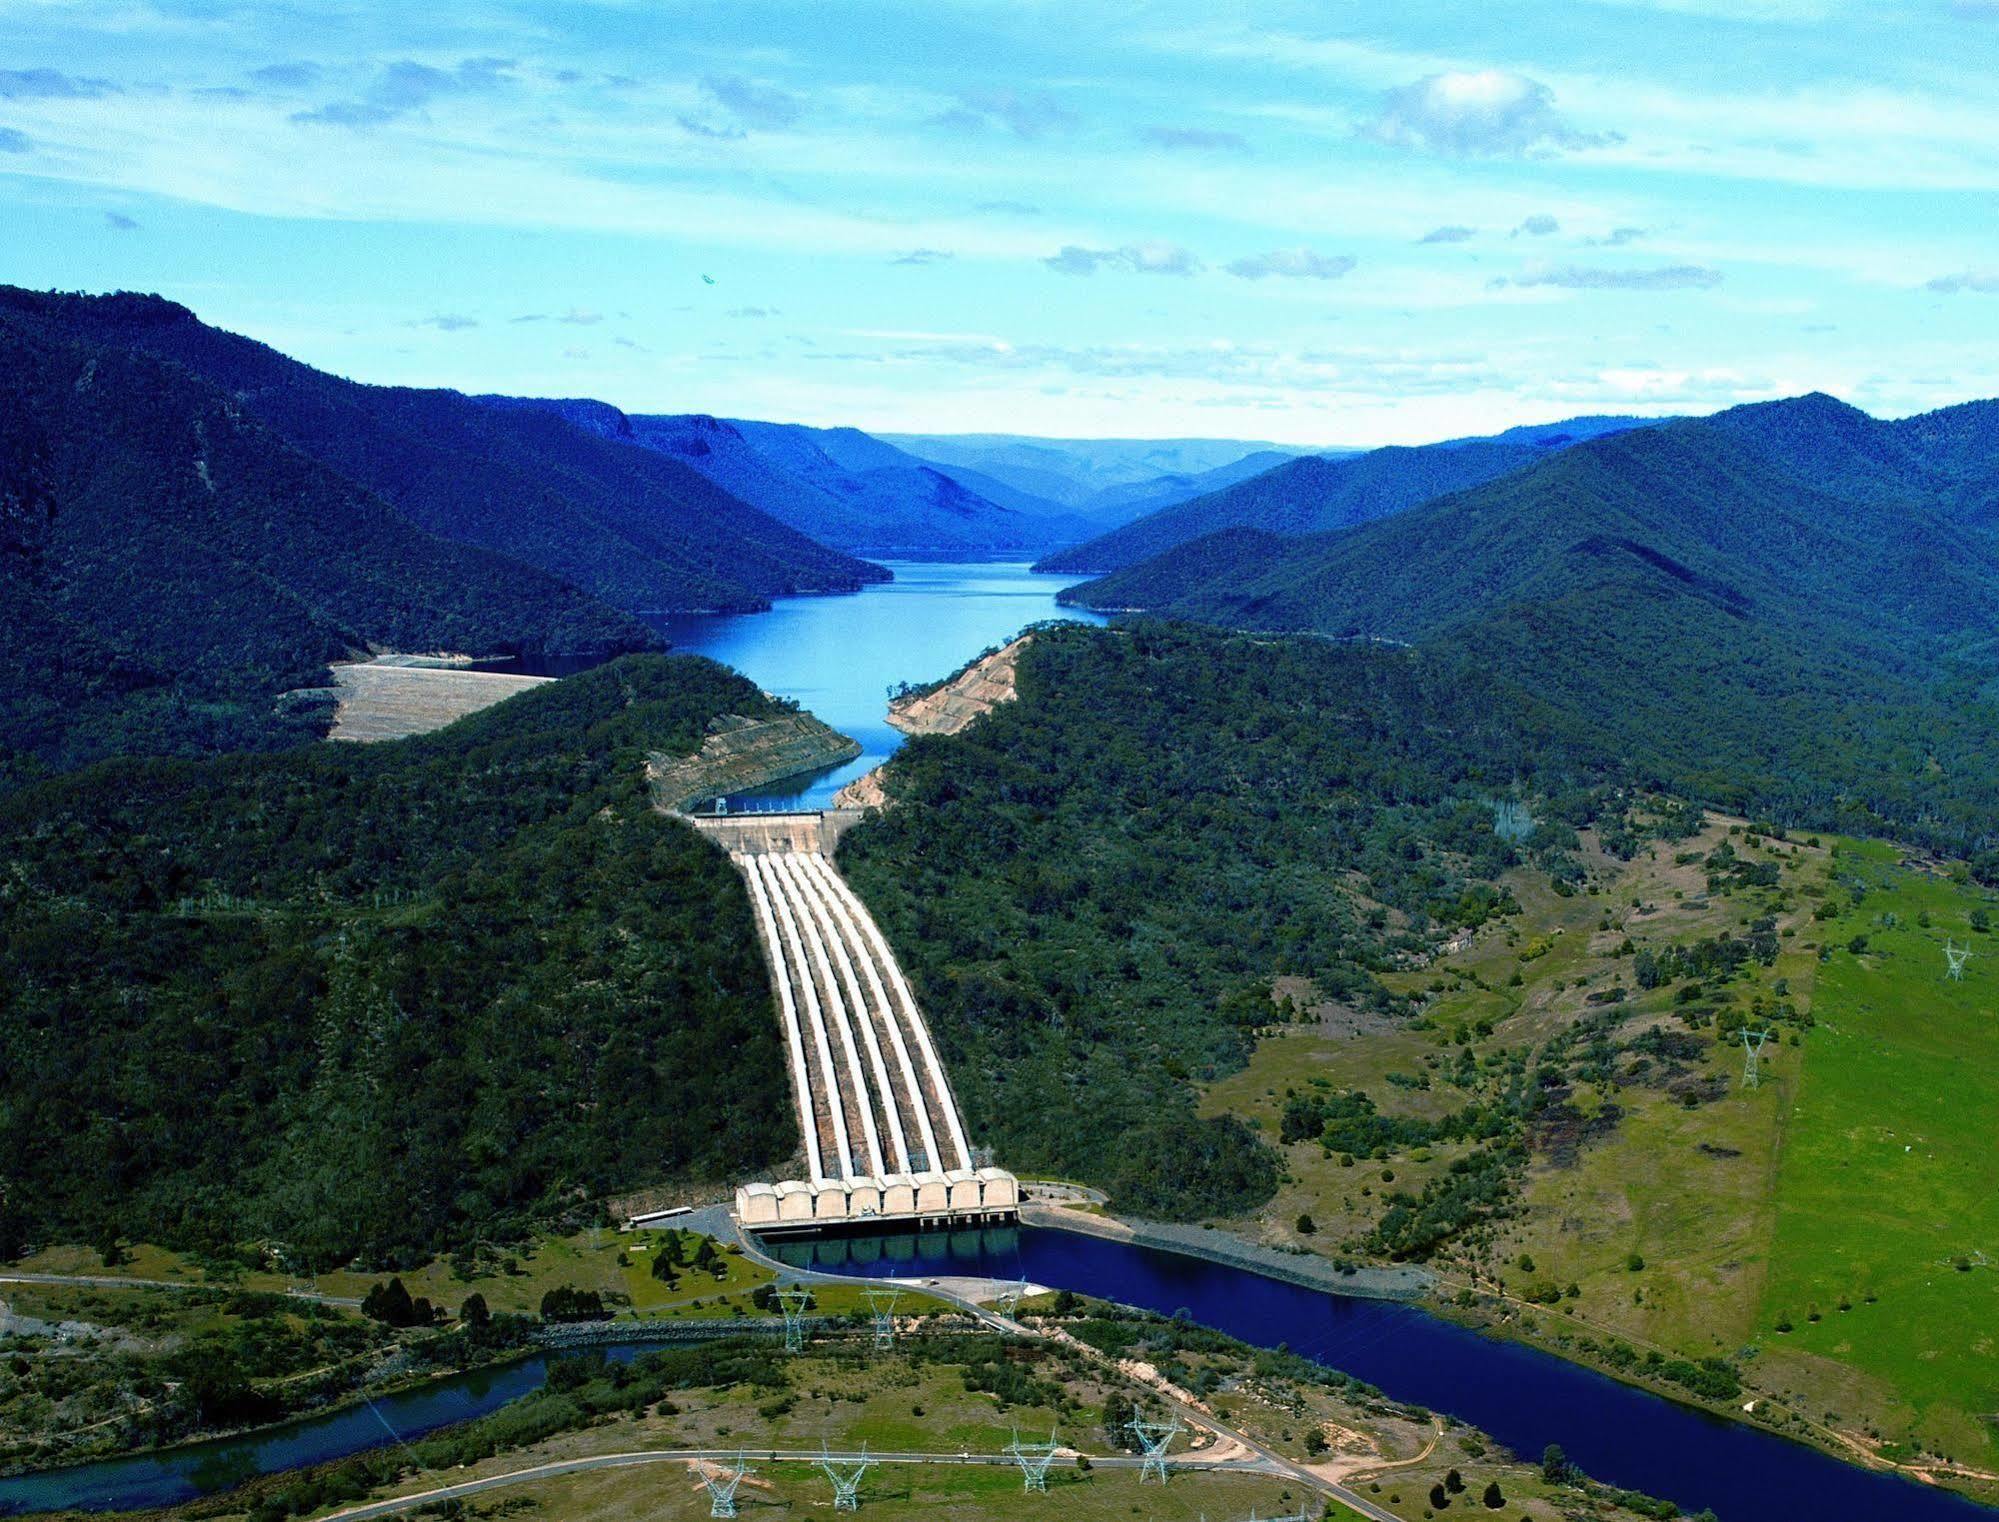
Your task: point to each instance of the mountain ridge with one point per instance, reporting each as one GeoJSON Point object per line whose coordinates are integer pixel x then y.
{"type": "Point", "coordinates": [633, 529]}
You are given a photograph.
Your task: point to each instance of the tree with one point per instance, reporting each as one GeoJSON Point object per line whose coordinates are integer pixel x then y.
{"type": "Point", "coordinates": [567, 1303]}
{"type": "Point", "coordinates": [1118, 1413]}
{"type": "Point", "coordinates": [1494, 1497]}
{"type": "Point", "coordinates": [1454, 1483]}
{"type": "Point", "coordinates": [1306, 1225]}
{"type": "Point", "coordinates": [1554, 1464]}
{"type": "Point", "coordinates": [1315, 1442]}
{"type": "Point", "coordinates": [1438, 1499]}
{"type": "Point", "coordinates": [389, 1304]}
{"type": "Point", "coordinates": [473, 1312]}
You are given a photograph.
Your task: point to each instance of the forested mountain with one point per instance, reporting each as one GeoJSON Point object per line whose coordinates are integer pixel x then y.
{"type": "Point", "coordinates": [381, 999]}
{"type": "Point", "coordinates": [170, 568]}
{"type": "Point", "coordinates": [1093, 885]}
{"type": "Point", "coordinates": [1318, 493]}
{"type": "Point", "coordinates": [1138, 498]}
{"type": "Point", "coordinates": [1947, 460]}
{"type": "Point", "coordinates": [630, 527]}
{"type": "Point", "coordinates": [1681, 594]}
{"type": "Point", "coordinates": [839, 486]}
{"type": "Point", "coordinates": [848, 489]}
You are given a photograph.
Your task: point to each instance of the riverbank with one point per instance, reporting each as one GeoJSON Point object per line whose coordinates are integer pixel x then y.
{"type": "Point", "coordinates": [1366, 1282]}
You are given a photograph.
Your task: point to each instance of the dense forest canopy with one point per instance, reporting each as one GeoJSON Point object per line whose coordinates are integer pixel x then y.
{"type": "Point", "coordinates": [624, 524]}
{"type": "Point", "coordinates": [1787, 608]}
{"type": "Point", "coordinates": [170, 569]}
{"type": "Point", "coordinates": [381, 1000]}
{"type": "Point", "coordinates": [1093, 885]}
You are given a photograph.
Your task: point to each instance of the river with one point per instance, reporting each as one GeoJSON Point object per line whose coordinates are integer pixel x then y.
{"type": "Point", "coordinates": [839, 657]}
{"type": "Point", "coordinates": [1523, 1397]}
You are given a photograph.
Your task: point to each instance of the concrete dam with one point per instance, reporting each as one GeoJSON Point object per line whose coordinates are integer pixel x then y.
{"type": "Point", "coordinates": [883, 1139]}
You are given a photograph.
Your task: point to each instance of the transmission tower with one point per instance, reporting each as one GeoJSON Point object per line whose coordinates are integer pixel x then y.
{"type": "Point", "coordinates": [1010, 1298]}
{"type": "Point", "coordinates": [1752, 1057]}
{"type": "Point", "coordinates": [846, 1476]}
{"type": "Point", "coordinates": [1954, 958]}
{"type": "Point", "coordinates": [882, 1302]}
{"type": "Point", "coordinates": [792, 1299]}
{"type": "Point", "coordinates": [1035, 1459]}
{"type": "Point", "coordinates": [722, 1488]}
{"type": "Point", "coordinates": [1154, 1438]}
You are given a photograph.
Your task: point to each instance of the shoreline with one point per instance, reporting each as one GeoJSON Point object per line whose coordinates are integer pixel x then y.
{"type": "Point", "coordinates": [1308, 1271]}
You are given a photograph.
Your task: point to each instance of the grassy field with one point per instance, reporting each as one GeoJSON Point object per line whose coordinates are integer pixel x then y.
{"type": "Point", "coordinates": [1694, 1216]}
{"type": "Point", "coordinates": [616, 1265]}
{"type": "Point", "coordinates": [954, 1493]}
{"type": "Point", "coordinates": [910, 1400]}
{"type": "Point", "coordinates": [1885, 1258]}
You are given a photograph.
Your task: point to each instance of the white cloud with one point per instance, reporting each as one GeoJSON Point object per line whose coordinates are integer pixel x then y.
{"type": "Point", "coordinates": [1195, 138]}
{"type": "Point", "coordinates": [1133, 258]}
{"type": "Point", "coordinates": [1983, 282]}
{"type": "Point", "coordinates": [1583, 277]}
{"type": "Point", "coordinates": [1540, 225]}
{"type": "Point", "coordinates": [1292, 263]}
{"type": "Point", "coordinates": [1486, 113]}
{"type": "Point", "coordinates": [1450, 233]}
{"type": "Point", "coordinates": [1026, 115]}
{"type": "Point", "coordinates": [753, 103]}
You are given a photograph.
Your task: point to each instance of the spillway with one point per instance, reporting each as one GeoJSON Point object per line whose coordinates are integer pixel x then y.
{"type": "Point", "coordinates": [883, 1137]}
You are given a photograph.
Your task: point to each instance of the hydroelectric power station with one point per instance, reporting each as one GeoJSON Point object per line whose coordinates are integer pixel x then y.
{"type": "Point", "coordinates": [884, 1142]}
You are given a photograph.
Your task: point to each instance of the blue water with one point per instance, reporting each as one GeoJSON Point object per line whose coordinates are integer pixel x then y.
{"type": "Point", "coordinates": [1524, 1398]}
{"type": "Point", "coordinates": [199, 1469]}
{"type": "Point", "coordinates": [840, 656]}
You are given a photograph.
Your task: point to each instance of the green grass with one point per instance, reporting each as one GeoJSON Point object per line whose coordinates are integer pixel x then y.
{"type": "Point", "coordinates": [1891, 1165]}
{"type": "Point", "coordinates": [931, 1492]}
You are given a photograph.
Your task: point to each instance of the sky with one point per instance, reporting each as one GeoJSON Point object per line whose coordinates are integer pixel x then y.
{"type": "Point", "coordinates": [1326, 223]}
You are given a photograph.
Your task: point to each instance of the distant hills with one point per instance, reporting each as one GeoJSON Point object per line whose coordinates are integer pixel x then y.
{"type": "Point", "coordinates": [859, 493]}
{"type": "Point", "coordinates": [1316, 493]}
{"type": "Point", "coordinates": [171, 569]}
{"type": "Point", "coordinates": [192, 526]}
{"type": "Point", "coordinates": [1779, 599]}
{"type": "Point", "coordinates": [1072, 471]}
{"type": "Point", "coordinates": [849, 489]}
{"type": "Point", "coordinates": [629, 527]}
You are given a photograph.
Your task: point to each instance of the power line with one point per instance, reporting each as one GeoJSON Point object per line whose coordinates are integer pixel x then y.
{"type": "Point", "coordinates": [882, 1303]}
{"type": "Point", "coordinates": [793, 1300]}
{"type": "Point", "coordinates": [1035, 1459]}
{"type": "Point", "coordinates": [722, 1488]}
{"type": "Point", "coordinates": [1154, 1438]}
{"type": "Point", "coordinates": [846, 1478]}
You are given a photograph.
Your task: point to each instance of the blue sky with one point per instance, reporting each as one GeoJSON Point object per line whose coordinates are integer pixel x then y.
{"type": "Point", "coordinates": [1319, 223]}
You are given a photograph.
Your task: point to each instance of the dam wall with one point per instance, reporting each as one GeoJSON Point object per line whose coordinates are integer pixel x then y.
{"type": "Point", "coordinates": [883, 1138]}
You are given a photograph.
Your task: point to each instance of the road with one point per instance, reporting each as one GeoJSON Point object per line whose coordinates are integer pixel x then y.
{"type": "Point", "coordinates": [768, 1455]}
{"type": "Point", "coordinates": [967, 1295]}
